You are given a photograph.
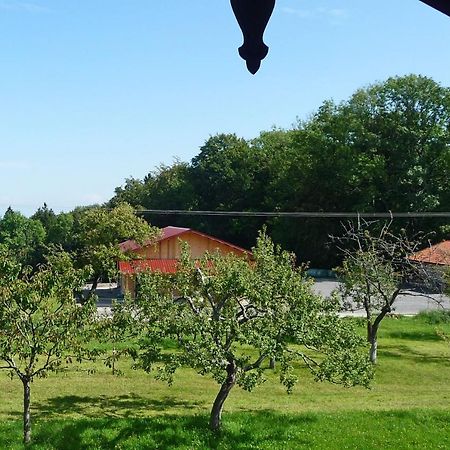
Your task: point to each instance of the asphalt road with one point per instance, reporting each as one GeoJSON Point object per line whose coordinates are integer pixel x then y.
{"type": "Point", "coordinates": [409, 304]}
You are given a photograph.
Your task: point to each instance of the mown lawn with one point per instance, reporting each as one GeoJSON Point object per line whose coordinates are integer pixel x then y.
{"type": "Point", "coordinates": [408, 405]}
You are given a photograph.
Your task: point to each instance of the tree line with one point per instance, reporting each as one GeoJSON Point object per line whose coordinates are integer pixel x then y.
{"type": "Point", "coordinates": [386, 148]}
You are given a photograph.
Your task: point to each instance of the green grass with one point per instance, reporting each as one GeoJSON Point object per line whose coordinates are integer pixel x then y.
{"type": "Point", "coordinates": [421, 429]}
{"type": "Point", "coordinates": [435, 317]}
{"type": "Point", "coordinates": [408, 405]}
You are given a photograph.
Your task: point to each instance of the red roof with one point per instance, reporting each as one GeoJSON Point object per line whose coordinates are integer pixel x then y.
{"type": "Point", "coordinates": [154, 265]}
{"type": "Point", "coordinates": [170, 232]}
{"type": "Point", "coordinates": [436, 254]}
{"type": "Point", "coordinates": [129, 246]}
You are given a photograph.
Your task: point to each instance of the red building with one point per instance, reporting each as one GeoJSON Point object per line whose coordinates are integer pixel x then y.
{"type": "Point", "coordinates": [437, 255]}
{"type": "Point", "coordinates": [163, 253]}
{"type": "Point", "coordinates": [436, 261]}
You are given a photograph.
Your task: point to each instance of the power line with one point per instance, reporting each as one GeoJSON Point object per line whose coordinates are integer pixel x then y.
{"type": "Point", "coordinates": [304, 214]}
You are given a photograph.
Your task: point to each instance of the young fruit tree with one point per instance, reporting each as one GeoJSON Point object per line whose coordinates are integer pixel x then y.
{"type": "Point", "coordinates": [41, 325]}
{"type": "Point", "coordinates": [376, 270]}
{"type": "Point", "coordinates": [98, 233]}
{"type": "Point", "coordinates": [113, 335]}
{"type": "Point", "coordinates": [229, 316]}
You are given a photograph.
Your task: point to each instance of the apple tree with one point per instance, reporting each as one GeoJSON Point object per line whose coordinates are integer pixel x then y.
{"type": "Point", "coordinates": [228, 317]}
{"type": "Point", "coordinates": [41, 326]}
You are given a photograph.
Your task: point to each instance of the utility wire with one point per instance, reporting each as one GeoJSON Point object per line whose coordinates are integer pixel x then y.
{"type": "Point", "coordinates": [309, 214]}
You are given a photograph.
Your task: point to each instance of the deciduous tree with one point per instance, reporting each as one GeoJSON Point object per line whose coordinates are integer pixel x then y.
{"type": "Point", "coordinates": [376, 270]}
{"type": "Point", "coordinates": [23, 237]}
{"type": "Point", "coordinates": [41, 325]}
{"type": "Point", "coordinates": [98, 234]}
{"type": "Point", "coordinates": [229, 316]}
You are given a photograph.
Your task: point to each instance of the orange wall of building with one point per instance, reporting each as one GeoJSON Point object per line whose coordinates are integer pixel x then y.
{"type": "Point", "coordinates": [171, 248]}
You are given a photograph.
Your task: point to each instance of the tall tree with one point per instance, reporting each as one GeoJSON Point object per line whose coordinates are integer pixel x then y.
{"type": "Point", "coordinates": [23, 237]}
{"type": "Point", "coordinates": [406, 121]}
{"type": "Point", "coordinates": [98, 234]}
{"type": "Point", "coordinates": [387, 148]}
{"type": "Point", "coordinates": [232, 174]}
{"type": "Point", "coordinates": [61, 231]}
{"type": "Point", "coordinates": [170, 187]}
{"type": "Point", "coordinates": [45, 215]}
{"type": "Point", "coordinates": [58, 227]}
{"type": "Point", "coordinates": [132, 192]}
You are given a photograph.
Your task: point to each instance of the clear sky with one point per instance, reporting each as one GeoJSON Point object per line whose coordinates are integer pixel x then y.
{"type": "Point", "coordinates": [95, 91]}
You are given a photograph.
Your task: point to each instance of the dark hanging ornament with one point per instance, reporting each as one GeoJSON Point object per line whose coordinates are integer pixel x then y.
{"type": "Point", "coordinates": [253, 17]}
{"type": "Point", "coordinates": [440, 5]}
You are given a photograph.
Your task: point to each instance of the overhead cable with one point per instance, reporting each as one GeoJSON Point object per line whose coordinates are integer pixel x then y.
{"type": "Point", "coordinates": [302, 214]}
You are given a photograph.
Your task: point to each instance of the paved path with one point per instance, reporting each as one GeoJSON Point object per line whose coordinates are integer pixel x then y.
{"type": "Point", "coordinates": [409, 304]}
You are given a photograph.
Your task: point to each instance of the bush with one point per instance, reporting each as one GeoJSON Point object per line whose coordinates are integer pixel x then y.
{"type": "Point", "coordinates": [435, 317]}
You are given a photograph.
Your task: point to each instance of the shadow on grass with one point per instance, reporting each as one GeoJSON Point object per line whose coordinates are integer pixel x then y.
{"type": "Point", "coordinates": [406, 352]}
{"type": "Point", "coordinates": [240, 431]}
{"type": "Point", "coordinates": [421, 336]}
{"type": "Point", "coordinates": [122, 406]}
{"type": "Point", "coordinates": [372, 430]}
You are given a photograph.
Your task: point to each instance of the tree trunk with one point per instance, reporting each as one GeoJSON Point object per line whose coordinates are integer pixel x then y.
{"type": "Point", "coordinates": [272, 363]}
{"type": "Point", "coordinates": [216, 412]}
{"type": "Point", "coordinates": [373, 339]}
{"type": "Point", "coordinates": [26, 411]}
{"type": "Point", "coordinates": [113, 360]}
{"type": "Point", "coordinates": [369, 331]}
{"type": "Point", "coordinates": [93, 287]}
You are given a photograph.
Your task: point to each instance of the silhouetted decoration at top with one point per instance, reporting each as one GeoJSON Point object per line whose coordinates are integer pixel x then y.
{"type": "Point", "coordinates": [253, 17]}
{"type": "Point", "coordinates": [440, 5]}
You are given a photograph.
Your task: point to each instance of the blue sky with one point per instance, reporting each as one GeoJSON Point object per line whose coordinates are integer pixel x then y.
{"type": "Point", "coordinates": [95, 91]}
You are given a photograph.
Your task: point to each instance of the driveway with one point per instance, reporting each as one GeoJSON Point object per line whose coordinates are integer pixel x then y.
{"type": "Point", "coordinates": [409, 304]}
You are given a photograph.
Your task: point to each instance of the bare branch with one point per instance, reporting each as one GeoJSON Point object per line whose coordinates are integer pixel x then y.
{"type": "Point", "coordinates": [256, 364]}
{"type": "Point", "coordinates": [244, 316]}
{"type": "Point", "coordinates": [243, 311]}
{"type": "Point", "coordinates": [190, 302]}
{"type": "Point", "coordinates": [310, 362]}
{"type": "Point", "coordinates": [208, 295]}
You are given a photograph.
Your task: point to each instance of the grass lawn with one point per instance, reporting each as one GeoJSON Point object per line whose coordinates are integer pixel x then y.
{"type": "Point", "coordinates": [407, 407]}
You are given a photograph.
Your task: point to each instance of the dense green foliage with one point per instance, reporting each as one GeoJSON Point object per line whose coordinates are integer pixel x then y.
{"type": "Point", "coordinates": [21, 237]}
{"type": "Point", "coordinates": [435, 317]}
{"type": "Point", "coordinates": [387, 148]}
{"type": "Point", "coordinates": [98, 233]}
{"type": "Point", "coordinates": [91, 234]}
{"type": "Point", "coordinates": [228, 317]}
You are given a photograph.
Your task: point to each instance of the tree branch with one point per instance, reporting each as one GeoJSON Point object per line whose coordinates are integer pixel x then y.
{"type": "Point", "coordinates": [208, 295]}
{"type": "Point", "coordinates": [246, 317]}
{"type": "Point", "coordinates": [256, 364]}
{"type": "Point", "coordinates": [189, 301]}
